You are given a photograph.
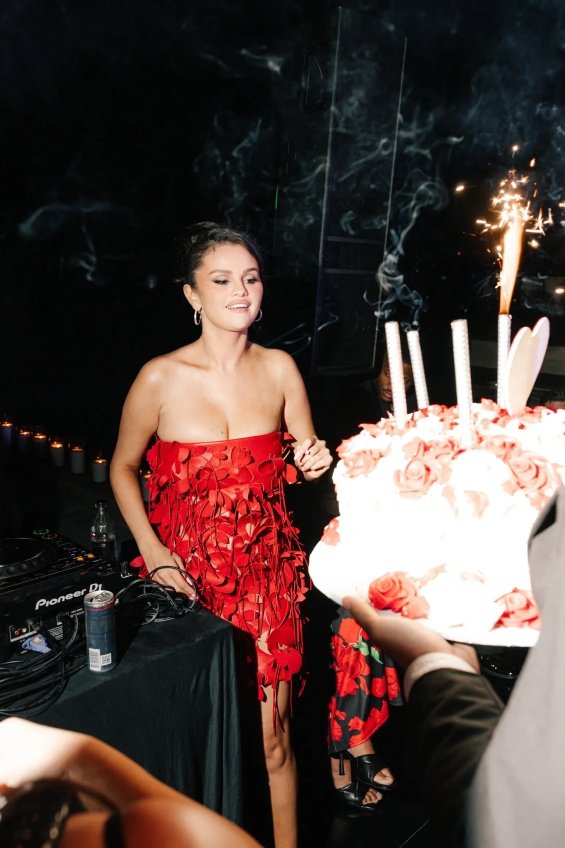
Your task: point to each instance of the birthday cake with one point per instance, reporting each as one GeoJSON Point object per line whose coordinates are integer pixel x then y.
{"type": "Point", "coordinates": [438, 532]}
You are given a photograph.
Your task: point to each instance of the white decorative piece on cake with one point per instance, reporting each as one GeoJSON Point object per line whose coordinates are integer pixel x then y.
{"type": "Point", "coordinates": [438, 532]}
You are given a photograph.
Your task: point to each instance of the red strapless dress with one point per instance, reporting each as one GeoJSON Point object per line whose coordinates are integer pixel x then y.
{"type": "Point", "coordinates": [221, 507]}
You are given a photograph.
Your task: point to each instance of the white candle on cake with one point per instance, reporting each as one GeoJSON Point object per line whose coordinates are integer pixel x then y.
{"type": "Point", "coordinates": [418, 373]}
{"type": "Point", "coordinates": [463, 384]}
{"type": "Point", "coordinates": [512, 248]}
{"type": "Point", "coordinates": [503, 349]}
{"type": "Point", "coordinates": [395, 365]}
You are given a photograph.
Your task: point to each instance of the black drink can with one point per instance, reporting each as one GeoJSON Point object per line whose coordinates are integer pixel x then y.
{"type": "Point", "coordinates": [100, 625]}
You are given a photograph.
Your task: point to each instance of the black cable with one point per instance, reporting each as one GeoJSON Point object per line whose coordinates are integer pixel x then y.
{"type": "Point", "coordinates": [44, 661]}
{"type": "Point", "coordinates": [29, 688]}
{"type": "Point", "coordinates": [151, 601]}
{"type": "Point", "coordinates": [185, 575]}
{"type": "Point", "coordinates": [42, 664]}
{"type": "Point", "coordinates": [33, 696]}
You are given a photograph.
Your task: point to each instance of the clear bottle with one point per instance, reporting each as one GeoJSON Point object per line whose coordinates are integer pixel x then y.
{"type": "Point", "coordinates": [103, 534]}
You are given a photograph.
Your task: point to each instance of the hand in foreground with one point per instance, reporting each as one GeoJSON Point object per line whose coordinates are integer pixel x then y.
{"type": "Point", "coordinates": [404, 639]}
{"type": "Point", "coordinates": [312, 457]}
{"type": "Point", "coordinates": [30, 751]}
{"type": "Point", "coordinates": [158, 555]}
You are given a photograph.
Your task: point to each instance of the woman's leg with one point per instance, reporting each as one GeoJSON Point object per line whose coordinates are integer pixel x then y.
{"type": "Point", "coordinates": [281, 766]}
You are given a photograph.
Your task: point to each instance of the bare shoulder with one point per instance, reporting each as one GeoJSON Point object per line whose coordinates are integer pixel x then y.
{"type": "Point", "coordinates": [280, 363]}
{"type": "Point", "coordinates": [165, 366]}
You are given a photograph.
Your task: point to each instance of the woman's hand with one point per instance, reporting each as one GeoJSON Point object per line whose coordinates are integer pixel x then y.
{"type": "Point", "coordinates": [312, 457]}
{"type": "Point", "coordinates": [155, 557]}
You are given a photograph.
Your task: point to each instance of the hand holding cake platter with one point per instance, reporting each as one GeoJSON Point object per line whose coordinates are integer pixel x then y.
{"type": "Point", "coordinates": [436, 529]}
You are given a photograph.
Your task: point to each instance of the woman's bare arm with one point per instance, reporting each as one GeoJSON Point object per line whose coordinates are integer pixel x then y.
{"type": "Point", "coordinates": [140, 420]}
{"type": "Point", "coordinates": [152, 814]}
{"type": "Point", "coordinates": [311, 455]}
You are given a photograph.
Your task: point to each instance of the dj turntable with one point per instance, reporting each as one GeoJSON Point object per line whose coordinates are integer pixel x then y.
{"type": "Point", "coordinates": [43, 581]}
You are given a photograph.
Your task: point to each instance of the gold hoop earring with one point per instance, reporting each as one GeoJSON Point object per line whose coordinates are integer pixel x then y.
{"type": "Point", "coordinates": [197, 316]}
{"type": "Point", "coordinates": [259, 316]}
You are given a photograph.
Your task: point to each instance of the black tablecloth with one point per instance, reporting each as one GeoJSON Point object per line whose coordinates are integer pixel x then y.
{"type": "Point", "coordinates": [171, 705]}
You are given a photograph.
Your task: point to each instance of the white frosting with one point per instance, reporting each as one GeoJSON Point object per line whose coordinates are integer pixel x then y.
{"type": "Point", "coordinates": [463, 535]}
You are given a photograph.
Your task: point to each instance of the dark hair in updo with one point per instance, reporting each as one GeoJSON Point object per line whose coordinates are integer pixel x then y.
{"type": "Point", "coordinates": [200, 238]}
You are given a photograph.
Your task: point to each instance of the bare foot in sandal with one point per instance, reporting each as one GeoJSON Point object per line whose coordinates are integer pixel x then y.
{"type": "Point", "coordinates": [349, 790]}
{"type": "Point", "coordinates": [368, 768]}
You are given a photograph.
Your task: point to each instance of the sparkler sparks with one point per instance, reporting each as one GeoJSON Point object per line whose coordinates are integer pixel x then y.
{"type": "Point", "coordinates": [512, 203]}
{"type": "Point", "coordinates": [515, 218]}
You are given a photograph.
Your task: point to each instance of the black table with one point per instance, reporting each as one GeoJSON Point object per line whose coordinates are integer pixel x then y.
{"type": "Point", "coordinates": [171, 705]}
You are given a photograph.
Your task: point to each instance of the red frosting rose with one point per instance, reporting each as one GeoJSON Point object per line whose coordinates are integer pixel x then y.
{"type": "Point", "coordinates": [392, 591]}
{"type": "Point", "coordinates": [415, 479]}
{"type": "Point", "coordinates": [521, 610]}
{"type": "Point", "coordinates": [414, 449]}
{"type": "Point", "coordinates": [399, 593]}
{"type": "Point", "coordinates": [443, 452]}
{"type": "Point", "coordinates": [535, 475]}
{"type": "Point", "coordinates": [500, 446]}
{"type": "Point", "coordinates": [361, 462]}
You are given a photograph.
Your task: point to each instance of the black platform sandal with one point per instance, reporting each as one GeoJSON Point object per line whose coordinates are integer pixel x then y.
{"type": "Point", "coordinates": [365, 768]}
{"type": "Point", "coordinates": [352, 797]}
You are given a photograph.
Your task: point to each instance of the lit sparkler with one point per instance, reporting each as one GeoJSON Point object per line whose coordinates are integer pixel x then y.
{"type": "Point", "coordinates": [515, 219]}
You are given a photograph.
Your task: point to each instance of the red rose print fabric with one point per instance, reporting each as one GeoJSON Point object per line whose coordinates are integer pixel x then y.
{"type": "Point", "coordinates": [221, 507]}
{"type": "Point", "coordinates": [366, 685]}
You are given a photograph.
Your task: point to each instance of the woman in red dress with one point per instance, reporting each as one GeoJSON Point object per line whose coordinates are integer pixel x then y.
{"type": "Point", "coordinates": [217, 408]}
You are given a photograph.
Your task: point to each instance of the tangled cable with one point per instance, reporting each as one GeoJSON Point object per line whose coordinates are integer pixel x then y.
{"type": "Point", "coordinates": [143, 601]}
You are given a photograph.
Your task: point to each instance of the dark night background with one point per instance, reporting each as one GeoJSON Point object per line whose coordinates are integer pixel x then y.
{"type": "Point", "coordinates": [338, 136]}
{"type": "Point", "coordinates": [123, 122]}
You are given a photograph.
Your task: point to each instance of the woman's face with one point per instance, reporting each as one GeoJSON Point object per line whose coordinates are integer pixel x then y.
{"type": "Point", "coordinates": [228, 287]}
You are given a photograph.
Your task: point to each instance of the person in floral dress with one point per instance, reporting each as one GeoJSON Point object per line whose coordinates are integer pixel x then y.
{"type": "Point", "coordinates": [366, 686]}
{"type": "Point", "coordinates": [366, 680]}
